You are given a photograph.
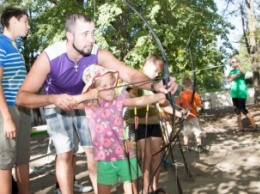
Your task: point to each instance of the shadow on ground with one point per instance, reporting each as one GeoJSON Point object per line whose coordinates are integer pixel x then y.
{"type": "Point", "coordinates": [231, 164]}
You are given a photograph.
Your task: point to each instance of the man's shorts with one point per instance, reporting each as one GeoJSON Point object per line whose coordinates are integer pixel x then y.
{"type": "Point", "coordinates": [61, 124]}
{"type": "Point", "coordinates": [108, 172]}
{"type": "Point", "coordinates": [17, 150]}
{"type": "Point", "coordinates": [191, 126]}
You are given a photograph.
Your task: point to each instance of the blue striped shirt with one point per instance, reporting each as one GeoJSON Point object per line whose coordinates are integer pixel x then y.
{"type": "Point", "coordinates": [14, 70]}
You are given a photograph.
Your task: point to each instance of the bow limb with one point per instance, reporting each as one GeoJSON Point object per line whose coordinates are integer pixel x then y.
{"type": "Point", "coordinates": [194, 74]}
{"type": "Point", "coordinates": [194, 81]}
{"type": "Point", "coordinates": [166, 74]}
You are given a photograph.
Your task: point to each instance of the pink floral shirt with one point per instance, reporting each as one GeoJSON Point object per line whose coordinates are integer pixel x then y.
{"type": "Point", "coordinates": [106, 126]}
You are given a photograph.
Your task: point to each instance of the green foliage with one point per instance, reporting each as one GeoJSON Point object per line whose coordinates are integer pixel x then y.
{"type": "Point", "coordinates": [187, 29]}
{"type": "Point", "coordinates": [210, 82]}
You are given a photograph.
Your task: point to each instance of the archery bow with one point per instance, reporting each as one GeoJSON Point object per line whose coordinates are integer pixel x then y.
{"type": "Point", "coordinates": [166, 73]}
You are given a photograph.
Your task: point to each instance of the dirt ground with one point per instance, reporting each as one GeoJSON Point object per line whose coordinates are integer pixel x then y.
{"type": "Point", "coordinates": [231, 164]}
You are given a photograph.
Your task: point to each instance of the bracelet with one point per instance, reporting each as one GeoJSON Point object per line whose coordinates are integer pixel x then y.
{"type": "Point", "coordinates": [152, 88]}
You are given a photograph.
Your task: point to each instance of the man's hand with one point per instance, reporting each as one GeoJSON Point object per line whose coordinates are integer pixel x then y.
{"type": "Point", "coordinates": [64, 101]}
{"type": "Point", "coordinates": [171, 87]}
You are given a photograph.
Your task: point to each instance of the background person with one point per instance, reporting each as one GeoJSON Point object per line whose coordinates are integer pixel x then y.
{"type": "Point", "coordinates": [191, 123]}
{"type": "Point", "coordinates": [15, 122]}
{"type": "Point", "coordinates": [148, 134]}
{"type": "Point", "coordinates": [238, 92]}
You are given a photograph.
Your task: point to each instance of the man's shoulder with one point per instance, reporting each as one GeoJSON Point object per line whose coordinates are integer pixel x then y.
{"type": "Point", "coordinates": [56, 49]}
{"type": "Point", "coordinates": [95, 49]}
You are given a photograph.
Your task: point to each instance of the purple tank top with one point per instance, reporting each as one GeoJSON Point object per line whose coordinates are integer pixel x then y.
{"type": "Point", "coordinates": [63, 78]}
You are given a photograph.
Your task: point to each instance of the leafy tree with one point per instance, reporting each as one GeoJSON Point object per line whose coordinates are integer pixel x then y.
{"type": "Point", "coordinates": [188, 30]}
{"type": "Point", "coordinates": [250, 40]}
{"type": "Point", "coordinates": [174, 22]}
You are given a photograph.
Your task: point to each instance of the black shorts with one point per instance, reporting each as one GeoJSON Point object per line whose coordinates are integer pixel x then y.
{"type": "Point", "coordinates": [140, 133]}
{"type": "Point", "coordinates": [240, 105]}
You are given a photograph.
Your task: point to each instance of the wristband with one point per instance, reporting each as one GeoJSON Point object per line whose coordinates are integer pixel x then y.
{"type": "Point", "coordinates": [152, 88]}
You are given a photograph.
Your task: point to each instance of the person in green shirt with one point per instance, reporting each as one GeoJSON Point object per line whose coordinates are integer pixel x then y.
{"type": "Point", "coordinates": [238, 91]}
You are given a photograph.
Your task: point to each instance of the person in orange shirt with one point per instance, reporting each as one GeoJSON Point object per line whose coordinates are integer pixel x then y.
{"type": "Point", "coordinates": [191, 124]}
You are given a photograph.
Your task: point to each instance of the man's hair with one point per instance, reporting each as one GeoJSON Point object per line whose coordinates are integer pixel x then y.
{"type": "Point", "coordinates": [10, 12]}
{"type": "Point", "coordinates": [72, 19]}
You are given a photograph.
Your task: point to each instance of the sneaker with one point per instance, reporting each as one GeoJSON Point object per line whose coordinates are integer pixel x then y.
{"type": "Point", "coordinates": [255, 128]}
{"type": "Point", "coordinates": [77, 188]}
{"type": "Point", "coordinates": [166, 162]}
{"type": "Point", "coordinates": [57, 190]}
{"type": "Point", "coordinates": [14, 186]}
{"type": "Point", "coordinates": [201, 149]}
{"type": "Point", "coordinates": [80, 188]}
{"type": "Point", "coordinates": [185, 148]}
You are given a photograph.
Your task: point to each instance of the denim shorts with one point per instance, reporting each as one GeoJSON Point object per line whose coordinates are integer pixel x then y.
{"type": "Point", "coordinates": [108, 172]}
{"type": "Point", "coordinates": [16, 150]}
{"type": "Point", "coordinates": [63, 125]}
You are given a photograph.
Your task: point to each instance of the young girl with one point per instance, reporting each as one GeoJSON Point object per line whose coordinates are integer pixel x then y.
{"type": "Point", "coordinates": [148, 133]}
{"type": "Point", "coordinates": [238, 91]}
{"type": "Point", "coordinates": [104, 113]}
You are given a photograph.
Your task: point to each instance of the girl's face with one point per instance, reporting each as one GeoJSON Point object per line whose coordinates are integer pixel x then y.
{"type": "Point", "coordinates": [106, 85]}
{"type": "Point", "coordinates": [233, 63]}
{"type": "Point", "coordinates": [152, 69]}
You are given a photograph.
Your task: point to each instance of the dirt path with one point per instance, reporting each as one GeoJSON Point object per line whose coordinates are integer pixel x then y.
{"type": "Point", "coordinates": [231, 164]}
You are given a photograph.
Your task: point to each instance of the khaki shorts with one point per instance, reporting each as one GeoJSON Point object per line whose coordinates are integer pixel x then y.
{"type": "Point", "coordinates": [17, 150]}
{"type": "Point", "coordinates": [191, 126]}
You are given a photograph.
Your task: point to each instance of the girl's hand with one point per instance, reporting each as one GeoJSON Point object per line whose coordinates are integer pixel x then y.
{"type": "Point", "coordinates": [93, 94]}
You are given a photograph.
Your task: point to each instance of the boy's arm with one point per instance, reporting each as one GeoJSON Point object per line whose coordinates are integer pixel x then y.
{"type": "Point", "coordinates": [143, 100]}
{"type": "Point", "coordinates": [9, 129]}
{"type": "Point", "coordinates": [198, 100]}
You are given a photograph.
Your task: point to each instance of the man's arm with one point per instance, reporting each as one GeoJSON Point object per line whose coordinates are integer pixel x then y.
{"type": "Point", "coordinates": [27, 95]}
{"type": "Point", "coordinates": [130, 75]}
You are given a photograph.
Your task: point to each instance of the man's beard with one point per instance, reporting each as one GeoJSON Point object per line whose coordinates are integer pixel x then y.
{"type": "Point", "coordinates": [82, 52]}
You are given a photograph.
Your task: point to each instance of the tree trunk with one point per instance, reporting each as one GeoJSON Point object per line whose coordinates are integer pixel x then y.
{"type": "Point", "coordinates": [254, 51]}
